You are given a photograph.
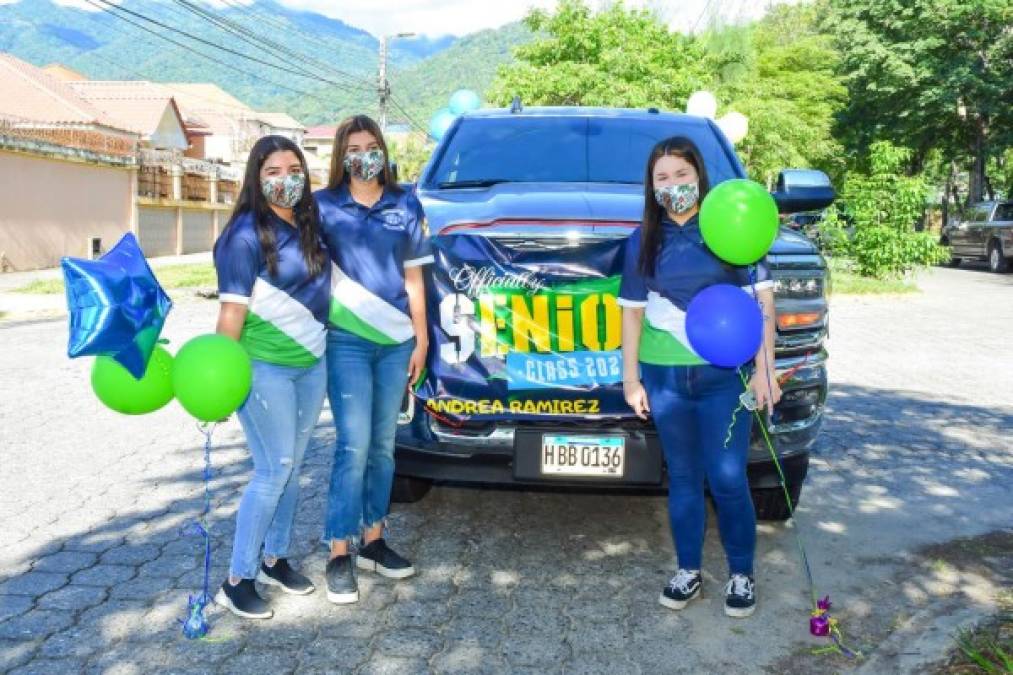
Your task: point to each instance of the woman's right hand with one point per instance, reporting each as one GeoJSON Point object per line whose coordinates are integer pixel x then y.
{"type": "Point", "coordinates": [636, 397]}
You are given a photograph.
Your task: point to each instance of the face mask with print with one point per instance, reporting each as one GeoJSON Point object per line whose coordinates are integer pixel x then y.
{"type": "Point", "coordinates": [678, 198]}
{"type": "Point", "coordinates": [283, 191]}
{"type": "Point", "coordinates": [365, 165]}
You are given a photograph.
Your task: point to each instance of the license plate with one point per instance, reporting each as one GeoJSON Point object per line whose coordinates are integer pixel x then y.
{"type": "Point", "coordinates": [584, 456]}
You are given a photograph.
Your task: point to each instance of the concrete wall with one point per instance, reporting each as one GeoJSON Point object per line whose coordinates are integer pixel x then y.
{"type": "Point", "coordinates": [50, 208]}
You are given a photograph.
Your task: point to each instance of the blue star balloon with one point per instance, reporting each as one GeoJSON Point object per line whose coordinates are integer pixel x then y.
{"type": "Point", "coordinates": [117, 307]}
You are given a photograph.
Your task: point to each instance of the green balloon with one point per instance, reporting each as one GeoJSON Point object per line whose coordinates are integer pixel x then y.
{"type": "Point", "coordinates": [212, 377]}
{"type": "Point", "coordinates": [738, 220]}
{"type": "Point", "coordinates": [122, 392]}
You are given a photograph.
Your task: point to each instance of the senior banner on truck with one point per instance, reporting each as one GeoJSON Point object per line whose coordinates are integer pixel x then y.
{"type": "Point", "coordinates": [524, 334]}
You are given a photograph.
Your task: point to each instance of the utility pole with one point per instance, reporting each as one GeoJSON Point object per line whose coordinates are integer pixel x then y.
{"type": "Point", "coordinates": [383, 87]}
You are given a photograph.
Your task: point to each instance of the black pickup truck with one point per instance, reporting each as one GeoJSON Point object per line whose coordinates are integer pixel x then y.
{"type": "Point", "coordinates": [528, 211]}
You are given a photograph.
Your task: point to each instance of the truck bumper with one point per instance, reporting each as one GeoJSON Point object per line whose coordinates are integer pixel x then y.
{"type": "Point", "coordinates": [501, 453]}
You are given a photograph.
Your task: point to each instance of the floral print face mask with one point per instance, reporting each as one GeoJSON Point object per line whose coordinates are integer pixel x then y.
{"type": "Point", "coordinates": [366, 165]}
{"type": "Point", "coordinates": [284, 191]}
{"type": "Point", "coordinates": [678, 198]}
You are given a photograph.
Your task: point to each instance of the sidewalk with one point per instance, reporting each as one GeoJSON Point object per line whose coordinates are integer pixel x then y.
{"type": "Point", "coordinates": [20, 306]}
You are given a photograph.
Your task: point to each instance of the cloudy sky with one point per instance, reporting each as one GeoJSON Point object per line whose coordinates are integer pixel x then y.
{"type": "Point", "coordinates": [459, 17]}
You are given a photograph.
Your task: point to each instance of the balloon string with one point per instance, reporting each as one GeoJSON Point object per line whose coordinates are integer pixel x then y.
{"type": "Point", "coordinates": [195, 625]}
{"type": "Point", "coordinates": [207, 430]}
{"type": "Point", "coordinates": [820, 609]}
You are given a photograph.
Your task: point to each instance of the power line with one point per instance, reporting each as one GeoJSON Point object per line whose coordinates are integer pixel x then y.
{"type": "Point", "coordinates": [249, 11]}
{"type": "Point", "coordinates": [411, 120]}
{"type": "Point", "coordinates": [118, 11]}
{"type": "Point", "coordinates": [696, 23]}
{"type": "Point", "coordinates": [261, 42]}
{"type": "Point", "coordinates": [210, 58]}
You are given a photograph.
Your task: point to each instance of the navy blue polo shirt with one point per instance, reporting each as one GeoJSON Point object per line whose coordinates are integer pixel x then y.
{"type": "Point", "coordinates": [370, 249]}
{"type": "Point", "coordinates": [685, 266]}
{"type": "Point", "coordinates": [286, 318]}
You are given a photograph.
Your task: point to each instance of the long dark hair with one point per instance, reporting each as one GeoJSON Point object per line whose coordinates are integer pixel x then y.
{"type": "Point", "coordinates": [349, 126]}
{"type": "Point", "coordinates": [650, 235]}
{"type": "Point", "coordinates": [251, 199]}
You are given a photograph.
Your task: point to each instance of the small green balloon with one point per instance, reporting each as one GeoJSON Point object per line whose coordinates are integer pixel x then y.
{"type": "Point", "coordinates": [738, 221]}
{"type": "Point", "coordinates": [212, 376]}
{"type": "Point", "coordinates": [119, 390]}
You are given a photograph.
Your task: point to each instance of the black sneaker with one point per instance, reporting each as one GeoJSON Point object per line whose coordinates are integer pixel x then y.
{"type": "Point", "coordinates": [341, 586]}
{"type": "Point", "coordinates": [683, 587]}
{"type": "Point", "coordinates": [243, 600]}
{"type": "Point", "coordinates": [377, 557]}
{"type": "Point", "coordinates": [284, 577]}
{"type": "Point", "coordinates": [740, 596]}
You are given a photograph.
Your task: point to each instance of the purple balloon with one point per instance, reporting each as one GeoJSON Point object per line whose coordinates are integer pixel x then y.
{"type": "Point", "coordinates": [724, 325]}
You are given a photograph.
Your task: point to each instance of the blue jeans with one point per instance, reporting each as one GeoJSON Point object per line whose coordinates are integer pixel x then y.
{"type": "Point", "coordinates": [693, 408]}
{"type": "Point", "coordinates": [365, 384]}
{"type": "Point", "coordinates": [278, 419]}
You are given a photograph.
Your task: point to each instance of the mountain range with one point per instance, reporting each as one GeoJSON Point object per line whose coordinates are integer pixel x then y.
{"type": "Point", "coordinates": [316, 68]}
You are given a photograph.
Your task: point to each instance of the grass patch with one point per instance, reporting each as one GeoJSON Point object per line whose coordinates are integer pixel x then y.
{"type": "Point", "coordinates": [187, 276]}
{"type": "Point", "coordinates": [41, 287]}
{"type": "Point", "coordinates": [844, 281]}
{"type": "Point", "coordinates": [174, 276]}
{"type": "Point", "coordinates": [986, 649]}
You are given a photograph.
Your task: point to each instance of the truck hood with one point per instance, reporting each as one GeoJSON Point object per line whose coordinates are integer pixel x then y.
{"type": "Point", "coordinates": [591, 203]}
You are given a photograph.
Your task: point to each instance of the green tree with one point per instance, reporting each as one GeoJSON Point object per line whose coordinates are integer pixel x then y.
{"type": "Point", "coordinates": [411, 154]}
{"type": "Point", "coordinates": [616, 57]}
{"type": "Point", "coordinates": [882, 207]}
{"type": "Point", "coordinates": [928, 74]}
{"type": "Point", "coordinates": [780, 73]}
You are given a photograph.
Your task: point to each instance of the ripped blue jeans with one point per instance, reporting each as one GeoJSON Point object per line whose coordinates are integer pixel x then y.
{"type": "Point", "coordinates": [278, 419]}
{"type": "Point", "coordinates": [365, 384]}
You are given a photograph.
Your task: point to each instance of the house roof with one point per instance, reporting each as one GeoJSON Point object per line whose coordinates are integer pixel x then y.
{"type": "Point", "coordinates": [322, 131]}
{"type": "Point", "coordinates": [201, 96]}
{"type": "Point", "coordinates": [212, 105]}
{"type": "Point", "coordinates": [62, 72]}
{"type": "Point", "coordinates": [279, 120]}
{"type": "Point", "coordinates": [139, 105]}
{"type": "Point", "coordinates": [31, 94]}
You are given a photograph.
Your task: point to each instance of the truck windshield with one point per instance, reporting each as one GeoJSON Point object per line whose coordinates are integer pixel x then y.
{"type": "Point", "coordinates": [491, 150]}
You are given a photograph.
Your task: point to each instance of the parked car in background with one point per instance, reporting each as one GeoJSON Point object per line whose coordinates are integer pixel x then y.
{"type": "Point", "coordinates": [985, 232]}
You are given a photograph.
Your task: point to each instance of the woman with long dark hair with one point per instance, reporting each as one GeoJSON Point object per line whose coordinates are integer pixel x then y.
{"type": "Point", "coordinates": [274, 288]}
{"type": "Point", "coordinates": [693, 403]}
{"type": "Point", "coordinates": [376, 345]}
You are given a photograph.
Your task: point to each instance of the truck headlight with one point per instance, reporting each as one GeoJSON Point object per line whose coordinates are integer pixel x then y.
{"type": "Point", "coordinates": [798, 288]}
{"type": "Point", "coordinates": [797, 320]}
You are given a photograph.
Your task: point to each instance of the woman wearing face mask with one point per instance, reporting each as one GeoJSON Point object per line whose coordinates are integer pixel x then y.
{"type": "Point", "coordinates": [376, 345]}
{"type": "Point", "coordinates": [274, 288]}
{"type": "Point", "coordinates": [693, 403]}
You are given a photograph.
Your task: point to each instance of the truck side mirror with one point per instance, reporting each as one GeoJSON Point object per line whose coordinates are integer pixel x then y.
{"type": "Point", "coordinates": [803, 190]}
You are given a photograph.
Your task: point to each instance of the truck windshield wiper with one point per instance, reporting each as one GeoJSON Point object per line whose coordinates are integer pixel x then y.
{"type": "Point", "coordinates": [484, 182]}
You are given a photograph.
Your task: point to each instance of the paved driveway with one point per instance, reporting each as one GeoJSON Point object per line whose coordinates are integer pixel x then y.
{"type": "Point", "coordinates": [903, 519]}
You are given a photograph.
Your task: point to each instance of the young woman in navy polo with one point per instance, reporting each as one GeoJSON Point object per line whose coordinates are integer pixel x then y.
{"type": "Point", "coordinates": [274, 287]}
{"type": "Point", "coordinates": [692, 403]}
{"type": "Point", "coordinates": [376, 345]}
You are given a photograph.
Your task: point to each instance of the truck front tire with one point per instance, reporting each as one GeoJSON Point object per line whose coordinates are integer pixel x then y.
{"type": "Point", "coordinates": [770, 503]}
{"type": "Point", "coordinates": [408, 490]}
